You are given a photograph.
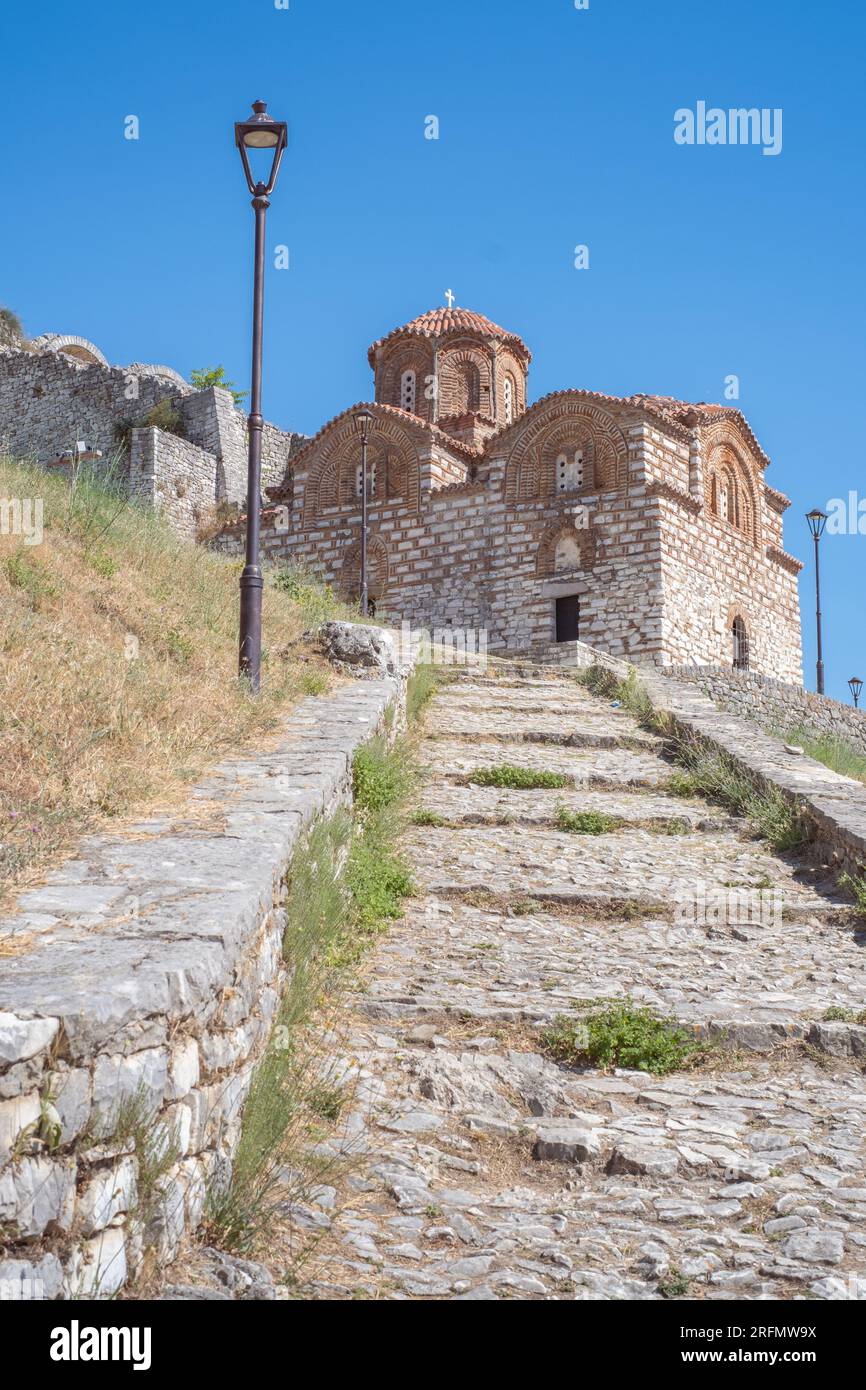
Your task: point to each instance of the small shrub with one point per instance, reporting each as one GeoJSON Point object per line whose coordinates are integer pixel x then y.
{"type": "Point", "coordinates": [621, 1035]}
{"type": "Point", "coordinates": [204, 377]}
{"type": "Point", "coordinates": [674, 1285]}
{"type": "Point", "coordinates": [165, 416]}
{"type": "Point", "coordinates": [517, 778]}
{"type": "Point", "coordinates": [427, 818]}
{"type": "Point", "coordinates": [314, 682]}
{"type": "Point", "coordinates": [857, 888]}
{"type": "Point", "coordinates": [585, 822]}
{"type": "Point", "coordinates": [381, 776]}
{"type": "Point", "coordinates": [837, 1014]}
{"type": "Point", "coordinates": [11, 331]}
{"type": "Point", "coordinates": [31, 577]}
{"type": "Point", "coordinates": [317, 601]}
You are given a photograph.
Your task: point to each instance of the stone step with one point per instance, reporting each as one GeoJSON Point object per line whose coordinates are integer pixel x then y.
{"type": "Point", "coordinates": [624, 864]}
{"type": "Point", "coordinates": [476, 805]}
{"type": "Point", "coordinates": [619, 767]}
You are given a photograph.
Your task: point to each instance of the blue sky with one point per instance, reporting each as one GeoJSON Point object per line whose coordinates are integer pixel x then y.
{"type": "Point", "coordinates": [556, 129]}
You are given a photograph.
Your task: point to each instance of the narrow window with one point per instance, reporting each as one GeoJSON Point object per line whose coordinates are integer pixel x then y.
{"type": "Point", "coordinates": [741, 645]}
{"type": "Point", "coordinates": [509, 400]}
{"type": "Point", "coordinates": [371, 479]}
{"type": "Point", "coordinates": [570, 473]}
{"type": "Point", "coordinates": [407, 392]}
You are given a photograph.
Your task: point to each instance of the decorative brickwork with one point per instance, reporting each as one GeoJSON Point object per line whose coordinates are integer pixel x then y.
{"type": "Point", "coordinates": [596, 498]}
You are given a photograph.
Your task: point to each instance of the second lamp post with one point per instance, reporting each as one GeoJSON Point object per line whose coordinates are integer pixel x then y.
{"type": "Point", "coordinates": [364, 424]}
{"type": "Point", "coordinates": [817, 521]}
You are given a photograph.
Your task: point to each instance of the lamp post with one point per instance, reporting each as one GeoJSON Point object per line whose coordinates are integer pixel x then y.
{"type": "Point", "coordinates": [259, 132]}
{"type": "Point", "coordinates": [817, 521]}
{"type": "Point", "coordinates": [364, 424]}
{"type": "Point", "coordinates": [855, 685]}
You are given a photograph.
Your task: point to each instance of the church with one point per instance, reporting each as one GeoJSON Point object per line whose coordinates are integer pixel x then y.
{"type": "Point", "coordinates": [641, 524]}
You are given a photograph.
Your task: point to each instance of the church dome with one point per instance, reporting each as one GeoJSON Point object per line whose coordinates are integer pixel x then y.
{"type": "Point", "coordinates": [453, 368]}
{"type": "Point", "coordinates": [445, 322]}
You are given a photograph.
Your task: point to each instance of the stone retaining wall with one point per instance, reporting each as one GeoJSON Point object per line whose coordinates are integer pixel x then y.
{"type": "Point", "coordinates": [773, 704]}
{"type": "Point", "coordinates": [137, 989]}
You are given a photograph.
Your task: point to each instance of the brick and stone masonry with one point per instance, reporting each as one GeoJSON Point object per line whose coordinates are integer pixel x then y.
{"type": "Point", "coordinates": [642, 524]}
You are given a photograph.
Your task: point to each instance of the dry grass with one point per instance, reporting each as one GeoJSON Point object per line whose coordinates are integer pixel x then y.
{"type": "Point", "coordinates": [117, 677]}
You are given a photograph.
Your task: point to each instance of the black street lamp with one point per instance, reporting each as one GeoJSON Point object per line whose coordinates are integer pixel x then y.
{"type": "Point", "coordinates": [817, 521]}
{"type": "Point", "coordinates": [364, 424]}
{"type": "Point", "coordinates": [260, 132]}
{"type": "Point", "coordinates": [855, 685]}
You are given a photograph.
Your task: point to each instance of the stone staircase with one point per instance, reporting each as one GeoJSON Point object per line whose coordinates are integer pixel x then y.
{"type": "Point", "coordinates": [482, 1168]}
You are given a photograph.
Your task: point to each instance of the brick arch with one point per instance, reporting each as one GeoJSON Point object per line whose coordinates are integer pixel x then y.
{"type": "Point", "coordinates": [377, 568]}
{"type": "Point", "coordinates": [531, 466]}
{"type": "Point", "coordinates": [416, 357]}
{"type": "Point", "coordinates": [508, 365]}
{"type": "Point", "coordinates": [729, 461]}
{"type": "Point", "coordinates": [738, 613]}
{"type": "Point", "coordinates": [457, 364]}
{"type": "Point", "coordinates": [585, 538]}
{"type": "Point", "coordinates": [331, 476]}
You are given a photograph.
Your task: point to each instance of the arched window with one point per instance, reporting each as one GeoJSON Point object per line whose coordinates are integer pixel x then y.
{"type": "Point", "coordinates": [509, 399]}
{"type": "Point", "coordinates": [740, 644]}
{"type": "Point", "coordinates": [570, 471]}
{"type": "Point", "coordinates": [407, 392]}
{"type": "Point", "coordinates": [371, 478]}
{"type": "Point", "coordinates": [566, 556]}
{"type": "Point", "coordinates": [467, 388]}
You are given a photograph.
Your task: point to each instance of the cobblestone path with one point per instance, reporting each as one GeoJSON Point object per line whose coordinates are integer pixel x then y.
{"type": "Point", "coordinates": [484, 1169]}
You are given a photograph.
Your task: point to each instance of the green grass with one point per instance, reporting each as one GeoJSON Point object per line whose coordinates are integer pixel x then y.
{"type": "Point", "coordinates": [836, 1014]}
{"type": "Point", "coordinates": [381, 776]}
{"type": "Point", "coordinates": [585, 822]}
{"type": "Point", "coordinates": [856, 886]}
{"type": "Point", "coordinates": [835, 753]}
{"type": "Point", "coordinates": [427, 818]}
{"type": "Point", "coordinates": [712, 774]}
{"type": "Point", "coordinates": [621, 1035]}
{"type": "Point", "coordinates": [316, 601]}
{"type": "Point", "coordinates": [517, 778]}
{"type": "Point", "coordinates": [705, 771]}
{"type": "Point", "coordinates": [345, 883]}
{"type": "Point", "coordinates": [422, 686]}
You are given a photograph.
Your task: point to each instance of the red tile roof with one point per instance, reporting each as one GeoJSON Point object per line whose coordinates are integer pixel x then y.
{"type": "Point", "coordinates": [438, 323]}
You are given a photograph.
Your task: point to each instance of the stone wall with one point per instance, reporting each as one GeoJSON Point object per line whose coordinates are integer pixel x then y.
{"type": "Point", "coordinates": [138, 987]}
{"type": "Point", "coordinates": [50, 400]}
{"type": "Point", "coordinates": [774, 704]}
{"type": "Point", "coordinates": [173, 476]}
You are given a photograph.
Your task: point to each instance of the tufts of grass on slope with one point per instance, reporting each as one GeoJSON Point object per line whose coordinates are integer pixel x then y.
{"type": "Point", "coordinates": [118, 658]}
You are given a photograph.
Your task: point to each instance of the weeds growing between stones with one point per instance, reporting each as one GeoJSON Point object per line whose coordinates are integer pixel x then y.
{"type": "Point", "coordinates": [621, 1035]}
{"type": "Point", "coordinates": [517, 778]}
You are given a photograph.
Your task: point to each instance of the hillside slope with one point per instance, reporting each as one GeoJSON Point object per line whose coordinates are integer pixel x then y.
{"type": "Point", "coordinates": [119, 654]}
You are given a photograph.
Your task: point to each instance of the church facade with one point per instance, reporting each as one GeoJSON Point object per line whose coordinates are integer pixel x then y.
{"type": "Point", "coordinates": [642, 525]}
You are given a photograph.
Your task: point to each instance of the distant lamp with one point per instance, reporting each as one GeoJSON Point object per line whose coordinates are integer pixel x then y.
{"type": "Point", "coordinates": [817, 521]}
{"type": "Point", "coordinates": [364, 425]}
{"type": "Point", "coordinates": [261, 132]}
{"type": "Point", "coordinates": [855, 685]}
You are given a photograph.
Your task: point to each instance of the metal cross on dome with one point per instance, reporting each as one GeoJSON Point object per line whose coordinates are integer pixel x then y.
{"type": "Point", "coordinates": [450, 296]}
